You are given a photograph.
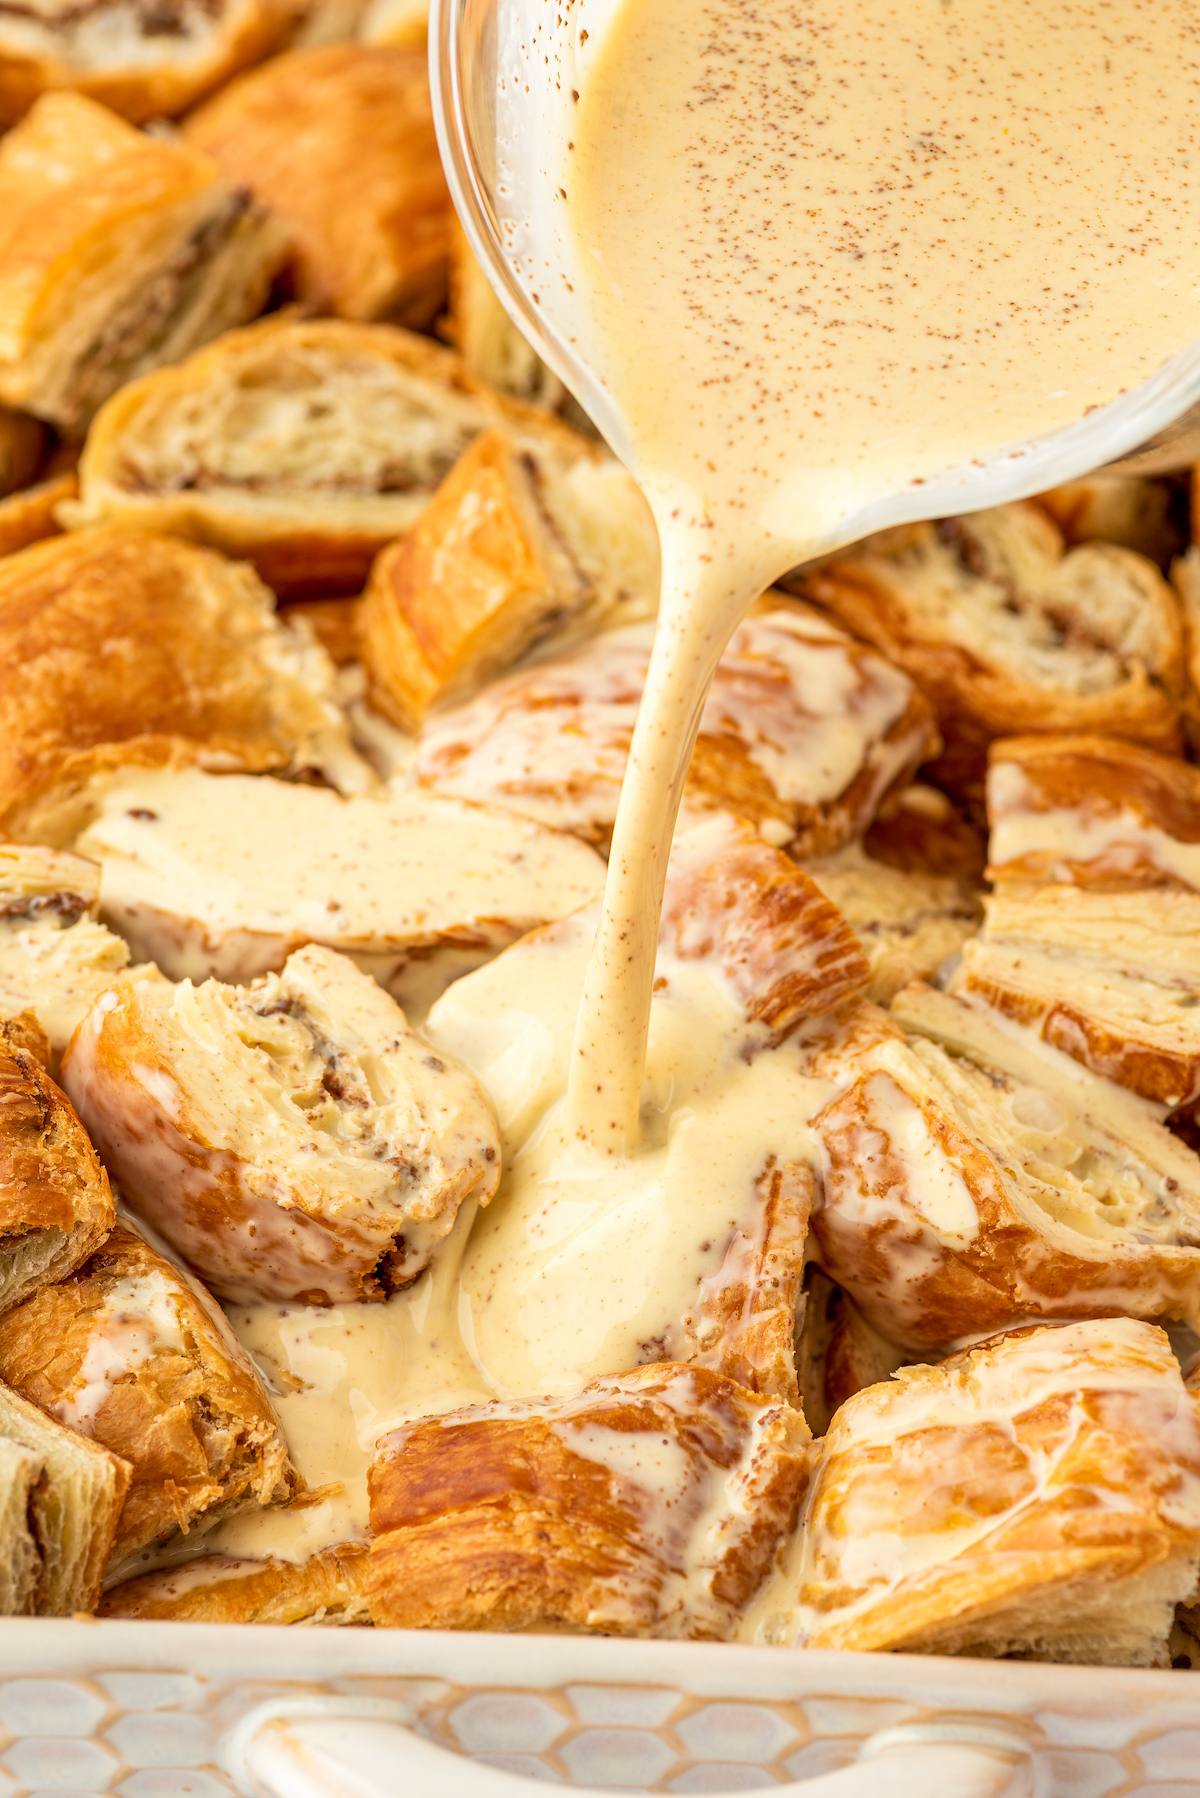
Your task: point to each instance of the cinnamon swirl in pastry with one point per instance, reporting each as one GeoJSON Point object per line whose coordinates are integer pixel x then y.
{"type": "Point", "coordinates": [217, 1588]}
{"type": "Point", "coordinates": [652, 1504]}
{"type": "Point", "coordinates": [304, 444]}
{"type": "Point", "coordinates": [1038, 1494]}
{"type": "Point", "coordinates": [1006, 631]}
{"type": "Point", "coordinates": [339, 143]}
{"type": "Point", "coordinates": [973, 1179]}
{"type": "Point", "coordinates": [909, 925]}
{"type": "Point", "coordinates": [118, 253]}
{"type": "Point", "coordinates": [55, 957]}
{"type": "Point", "coordinates": [293, 1139]}
{"type": "Point", "coordinates": [499, 561]}
{"type": "Point", "coordinates": [216, 875]}
{"type": "Point", "coordinates": [56, 1205]}
{"type": "Point", "coordinates": [120, 649]}
{"type": "Point", "coordinates": [803, 733]}
{"type": "Point", "coordinates": [129, 1353]}
{"type": "Point", "coordinates": [144, 62]}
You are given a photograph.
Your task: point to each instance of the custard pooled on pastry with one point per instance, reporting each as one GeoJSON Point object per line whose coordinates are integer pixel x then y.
{"type": "Point", "coordinates": [803, 733]}
{"type": "Point", "coordinates": [1038, 1494]}
{"type": "Point", "coordinates": [293, 1139]}
{"type": "Point", "coordinates": [973, 1179]}
{"type": "Point", "coordinates": [218, 1588]}
{"type": "Point", "coordinates": [119, 252]}
{"type": "Point", "coordinates": [652, 1504]}
{"type": "Point", "coordinates": [1008, 631]}
{"type": "Point", "coordinates": [339, 142]}
{"type": "Point", "coordinates": [120, 649]}
{"type": "Point", "coordinates": [55, 958]}
{"type": "Point", "coordinates": [132, 1355]}
{"type": "Point", "coordinates": [307, 445]}
{"type": "Point", "coordinates": [56, 1205]}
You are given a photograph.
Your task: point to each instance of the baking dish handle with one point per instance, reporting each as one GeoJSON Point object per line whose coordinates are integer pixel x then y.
{"type": "Point", "coordinates": [348, 1748]}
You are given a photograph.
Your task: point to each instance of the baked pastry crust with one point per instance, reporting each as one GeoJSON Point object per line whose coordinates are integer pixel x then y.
{"type": "Point", "coordinates": [20, 1558]}
{"type": "Point", "coordinates": [217, 1588]}
{"type": "Point", "coordinates": [303, 444]}
{"type": "Point", "coordinates": [31, 516]}
{"type": "Point", "coordinates": [118, 252]}
{"type": "Point", "coordinates": [125, 649]}
{"type": "Point", "coordinates": [837, 1351]}
{"type": "Point", "coordinates": [909, 924]}
{"type": "Point", "coordinates": [339, 143]}
{"type": "Point", "coordinates": [1140, 512]}
{"type": "Point", "coordinates": [510, 1516]}
{"type": "Point", "coordinates": [55, 957]}
{"type": "Point", "coordinates": [551, 741]}
{"type": "Point", "coordinates": [129, 58]}
{"type": "Point", "coordinates": [22, 447]}
{"type": "Point", "coordinates": [293, 1140]}
{"type": "Point", "coordinates": [1007, 631]}
{"type": "Point", "coordinates": [134, 1356]}
{"type": "Point", "coordinates": [1036, 1495]}
{"type": "Point", "coordinates": [56, 1205]}
{"type": "Point", "coordinates": [973, 1180]}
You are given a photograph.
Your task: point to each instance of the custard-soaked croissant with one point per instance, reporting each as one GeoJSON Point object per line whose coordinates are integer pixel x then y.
{"type": "Point", "coordinates": [909, 924]}
{"type": "Point", "coordinates": [1008, 631]}
{"type": "Point", "coordinates": [56, 1205]}
{"type": "Point", "coordinates": [327, 1588]}
{"type": "Point", "coordinates": [803, 733]}
{"type": "Point", "coordinates": [837, 1351]}
{"type": "Point", "coordinates": [144, 63]}
{"type": "Point", "coordinates": [365, 198]}
{"type": "Point", "coordinates": [118, 648]}
{"type": "Point", "coordinates": [303, 444]}
{"type": "Point", "coordinates": [55, 958]}
{"type": "Point", "coordinates": [132, 1355]}
{"type": "Point", "coordinates": [973, 1180]}
{"type": "Point", "coordinates": [1037, 1495]}
{"type": "Point", "coordinates": [498, 561]}
{"type": "Point", "coordinates": [293, 1139]}
{"type": "Point", "coordinates": [652, 1504]}
{"type": "Point", "coordinates": [118, 253]}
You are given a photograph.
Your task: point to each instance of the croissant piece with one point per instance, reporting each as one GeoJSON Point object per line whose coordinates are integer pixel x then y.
{"type": "Point", "coordinates": [919, 831]}
{"type": "Point", "coordinates": [335, 623]}
{"type": "Point", "coordinates": [56, 1206]}
{"type": "Point", "coordinates": [803, 733]}
{"type": "Point", "coordinates": [30, 516]}
{"type": "Point", "coordinates": [118, 253]}
{"type": "Point", "coordinates": [496, 563]}
{"type": "Point", "coordinates": [909, 925]}
{"type": "Point", "coordinates": [120, 648]}
{"type": "Point", "coordinates": [293, 1139]}
{"type": "Point", "coordinates": [217, 1588]}
{"type": "Point", "coordinates": [1092, 811]}
{"type": "Point", "coordinates": [489, 343]}
{"type": "Point", "coordinates": [1036, 1495]}
{"type": "Point", "coordinates": [22, 447]}
{"type": "Point", "coordinates": [306, 445]}
{"type": "Point", "coordinates": [837, 1351]}
{"type": "Point", "coordinates": [215, 875]}
{"type": "Point", "coordinates": [973, 1180]}
{"type": "Point", "coordinates": [1008, 631]}
{"type": "Point", "coordinates": [76, 1505]}
{"type": "Point", "coordinates": [1137, 511]}
{"type": "Point", "coordinates": [339, 143]}
{"type": "Point", "coordinates": [142, 63]}
{"type": "Point", "coordinates": [651, 1504]}
{"type": "Point", "coordinates": [55, 958]}
{"type": "Point", "coordinates": [20, 1557]}
{"type": "Point", "coordinates": [129, 1353]}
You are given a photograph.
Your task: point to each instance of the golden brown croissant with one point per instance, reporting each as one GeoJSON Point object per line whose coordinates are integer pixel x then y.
{"type": "Point", "coordinates": [972, 1179]}
{"type": "Point", "coordinates": [1140, 512]}
{"type": "Point", "coordinates": [22, 446]}
{"type": "Point", "coordinates": [130, 1354]}
{"type": "Point", "coordinates": [1008, 632]}
{"type": "Point", "coordinates": [217, 1588]}
{"type": "Point", "coordinates": [651, 1504]}
{"type": "Point", "coordinates": [56, 1205]}
{"type": "Point", "coordinates": [514, 547]}
{"type": "Point", "coordinates": [339, 143]}
{"type": "Point", "coordinates": [490, 344]}
{"type": "Point", "coordinates": [21, 1470]}
{"type": "Point", "coordinates": [118, 253]}
{"type": "Point", "coordinates": [837, 1351]}
{"type": "Point", "coordinates": [303, 444]}
{"type": "Point", "coordinates": [30, 516]}
{"type": "Point", "coordinates": [919, 831]}
{"type": "Point", "coordinates": [216, 875]}
{"type": "Point", "coordinates": [1038, 1495]}
{"type": "Point", "coordinates": [142, 64]}
{"type": "Point", "coordinates": [119, 648]}
{"type": "Point", "coordinates": [293, 1139]}
{"type": "Point", "coordinates": [909, 924]}
{"type": "Point", "coordinates": [55, 958]}
{"type": "Point", "coordinates": [803, 733]}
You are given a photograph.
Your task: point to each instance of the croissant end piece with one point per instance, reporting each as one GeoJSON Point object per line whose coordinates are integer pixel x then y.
{"type": "Point", "coordinates": [217, 1588]}
{"type": "Point", "coordinates": [55, 958]}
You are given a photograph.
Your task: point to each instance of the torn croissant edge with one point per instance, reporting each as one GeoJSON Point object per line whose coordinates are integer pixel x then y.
{"type": "Point", "coordinates": [55, 956]}
{"type": "Point", "coordinates": [974, 1179]}
{"type": "Point", "coordinates": [327, 1588]}
{"type": "Point", "coordinates": [654, 1503]}
{"type": "Point", "coordinates": [179, 1401]}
